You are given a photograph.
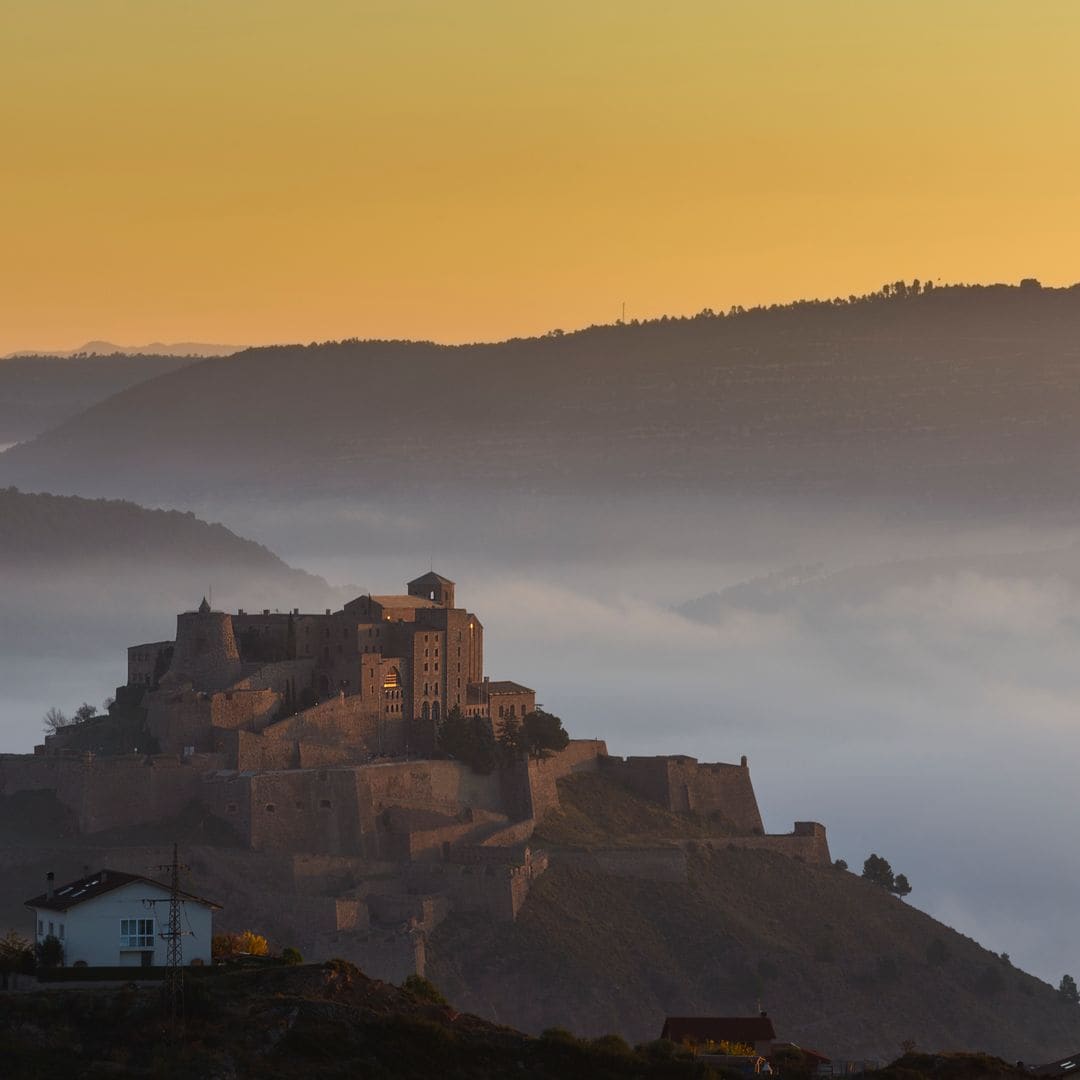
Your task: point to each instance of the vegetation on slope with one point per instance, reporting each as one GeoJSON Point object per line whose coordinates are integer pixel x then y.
{"type": "Point", "coordinates": [327, 1020]}
{"type": "Point", "coordinates": [39, 392]}
{"type": "Point", "coordinates": [594, 811]}
{"type": "Point", "coordinates": [839, 963]}
{"type": "Point", "coordinates": [960, 392]}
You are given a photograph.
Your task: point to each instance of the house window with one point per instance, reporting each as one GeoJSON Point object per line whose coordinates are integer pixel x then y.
{"type": "Point", "coordinates": [324, 804]}
{"type": "Point", "coordinates": [41, 927]}
{"type": "Point", "coordinates": [51, 931]}
{"type": "Point", "coordinates": [136, 933]}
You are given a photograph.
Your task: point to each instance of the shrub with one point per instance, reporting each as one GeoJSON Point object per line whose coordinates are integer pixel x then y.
{"type": "Point", "coordinates": [291, 956]}
{"type": "Point", "coordinates": [423, 990]}
{"type": "Point", "coordinates": [1067, 989]}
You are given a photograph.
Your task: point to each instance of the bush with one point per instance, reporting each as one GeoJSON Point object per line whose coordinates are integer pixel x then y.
{"type": "Point", "coordinates": [1067, 989]}
{"type": "Point", "coordinates": [423, 990]}
{"type": "Point", "coordinates": [291, 956]}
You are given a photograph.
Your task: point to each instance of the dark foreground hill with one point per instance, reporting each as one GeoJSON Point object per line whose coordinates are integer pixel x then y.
{"type": "Point", "coordinates": [839, 963]}
{"type": "Point", "coordinates": [39, 392]}
{"type": "Point", "coordinates": [281, 1022]}
{"type": "Point", "coordinates": [963, 395]}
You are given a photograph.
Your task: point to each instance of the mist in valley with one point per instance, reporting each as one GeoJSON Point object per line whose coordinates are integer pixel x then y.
{"type": "Point", "coordinates": [912, 682]}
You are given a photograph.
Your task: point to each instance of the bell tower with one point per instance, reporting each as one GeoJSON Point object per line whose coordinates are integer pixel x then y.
{"type": "Point", "coordinates": [432, 586]}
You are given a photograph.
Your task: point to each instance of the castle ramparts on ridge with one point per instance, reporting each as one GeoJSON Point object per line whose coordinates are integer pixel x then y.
{"type": "Point", "coordinates": [314, 737]}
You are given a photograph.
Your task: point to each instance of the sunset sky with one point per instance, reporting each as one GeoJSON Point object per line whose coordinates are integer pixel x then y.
{"type": "Point", "coordinates": [246, 172]}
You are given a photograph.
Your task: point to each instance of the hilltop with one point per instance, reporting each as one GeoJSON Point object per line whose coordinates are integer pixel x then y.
{"type": "Point", "coordinates": [966, 394]}
{"type": "Point", "coordinates": [617, 944]}
{"type": "Point", "coordinates": [39, 392]}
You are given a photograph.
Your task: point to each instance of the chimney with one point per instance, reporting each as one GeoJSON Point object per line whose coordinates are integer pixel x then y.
{"type": "Point", "coordinates": [49, 878]}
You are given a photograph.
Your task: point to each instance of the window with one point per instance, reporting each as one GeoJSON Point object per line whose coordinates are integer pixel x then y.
{"type": "Point", "coordinates": [269, 807]}
{"type": "Point", "coordinates": [324, 804]}
{"type": "Point", "coordinates": [60, 931]}
{"type": "Point", "coordinates": [41, 927]}
{"type": "Point", "coordinates": [136, 933]}
{"type": "Point", "coordinates": [51, 930]}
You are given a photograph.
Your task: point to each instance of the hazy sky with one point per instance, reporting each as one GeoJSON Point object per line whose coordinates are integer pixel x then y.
{"type": "Point", "coordinates": [276, 170]}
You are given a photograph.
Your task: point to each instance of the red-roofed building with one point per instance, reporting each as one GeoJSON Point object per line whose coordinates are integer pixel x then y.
{"type": "Point", "coordinates": [702, 1031]}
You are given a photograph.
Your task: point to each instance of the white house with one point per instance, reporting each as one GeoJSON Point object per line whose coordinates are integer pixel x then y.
{"type": "Point", "coordinates": [112, 919]}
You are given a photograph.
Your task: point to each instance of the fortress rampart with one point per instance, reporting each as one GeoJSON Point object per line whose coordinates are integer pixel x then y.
{"type": "Point", "coordinates": [683, 785]}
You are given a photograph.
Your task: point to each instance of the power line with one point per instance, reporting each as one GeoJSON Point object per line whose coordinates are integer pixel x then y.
{"type": "Point", "coordinates": [172, 989]}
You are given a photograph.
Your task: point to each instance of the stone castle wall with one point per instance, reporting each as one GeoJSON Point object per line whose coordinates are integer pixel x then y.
{"type": "Point", "coordinates": [684, 785]}
{"type": "Point", "coordinates": [106, 793]}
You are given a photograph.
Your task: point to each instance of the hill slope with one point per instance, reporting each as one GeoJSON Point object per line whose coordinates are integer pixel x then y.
{"type": "Point", "coordinates": [39, 392]}
{"type": "Point", "coordinates": [969, 394]}
{"type": "Point", "coordinates": [840, 964]}
{"type": "Point", "coordinates": [82, 579]}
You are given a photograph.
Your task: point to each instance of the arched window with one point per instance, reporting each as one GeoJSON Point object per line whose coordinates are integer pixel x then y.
{"type": "Point", "coordinates": [425, 711]}
{"type": "Point", "coordinates": [435, 711]}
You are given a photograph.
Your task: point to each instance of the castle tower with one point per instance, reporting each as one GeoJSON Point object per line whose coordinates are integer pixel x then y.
{"type": "Point", "coordinates": [432, 586]}
{"type": "Point", "coordinates": [206, 655]}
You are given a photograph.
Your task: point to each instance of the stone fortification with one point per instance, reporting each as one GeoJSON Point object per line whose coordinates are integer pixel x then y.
{"type": "Point", "coordinates": [684, 785]}
{"type": "Point", "coordinates": [311, 738]}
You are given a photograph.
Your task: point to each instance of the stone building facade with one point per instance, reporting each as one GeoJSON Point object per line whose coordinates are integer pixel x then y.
{"type": "Point", "coordinates": [378, 677]}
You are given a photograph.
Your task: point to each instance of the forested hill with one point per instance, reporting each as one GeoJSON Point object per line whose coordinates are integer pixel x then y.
{"type": "Point", "coordinates": [86, 577]}
{"type": "Point", "coordinates": [962, 394]}
{"type": "Point", "coordinates": [65, 530]}
{"type": "Point", "coordinates": [39, 392]}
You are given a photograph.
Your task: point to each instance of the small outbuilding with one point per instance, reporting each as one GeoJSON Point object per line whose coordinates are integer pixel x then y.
{"type": "Point", "coordinates": [113, 919]}
{"type": "Point", "coordinates": [703, 1032]}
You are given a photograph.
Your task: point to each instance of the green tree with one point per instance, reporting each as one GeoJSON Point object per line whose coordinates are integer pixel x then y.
{"type": "Point", "coordinates": [468, 739]}
{"type": "Point", "coordinates": [84, 712]}
{"type": "Point", "coordinates": [50, 953]}
{"type": "Point", "coordinates": [901, 887]}
{"type": "Point", "coordinates": [16, 957]}
{"type": "Point", "coordinates": [423, 990]}
{"type": "Point", "coordinates": [512, 744]}
{"type": "Point", "coordinates": [291, 956]}
{"type": "Point", "coordinates": [877, 871]}
{"type": "Point", "coordinates": [544, 733]}
{"type": "Point", "coordinates": [1067, 989]}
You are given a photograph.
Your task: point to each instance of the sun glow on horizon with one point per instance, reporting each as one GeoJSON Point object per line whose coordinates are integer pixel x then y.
{"type": "Point", "coordinates": [266, 172]}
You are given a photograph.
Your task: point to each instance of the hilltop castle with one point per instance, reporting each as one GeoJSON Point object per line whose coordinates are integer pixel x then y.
{"type": "Point", "coordinates": [310, 740]}
{"type": "Point", "coordinates": [277, 690]}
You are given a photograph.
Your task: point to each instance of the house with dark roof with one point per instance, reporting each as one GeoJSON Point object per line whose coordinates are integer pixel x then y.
{"type": "Point", "coordinates": [698, 1032]}
{"type": "Point", "coordinates": [113, 919]}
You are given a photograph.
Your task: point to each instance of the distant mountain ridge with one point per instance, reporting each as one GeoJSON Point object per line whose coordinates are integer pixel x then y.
{"type": "Point", "coordinates": [155, 348]}
{"type": "Point", "coordinates": [40, 392]}
{"type": "Point", "coordinates": [956, 395]}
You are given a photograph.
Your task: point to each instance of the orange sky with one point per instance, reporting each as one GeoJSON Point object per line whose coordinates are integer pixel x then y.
{"type": "Point", "coordinates": [247, 172]}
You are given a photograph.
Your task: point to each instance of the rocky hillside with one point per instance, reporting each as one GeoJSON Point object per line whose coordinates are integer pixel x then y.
{"type": "Point", "coordinates": [840, 964]}
{"type": "Point", "coordinates": [39, 392]}
{"type": "Point", "coordinates": [963, 394]}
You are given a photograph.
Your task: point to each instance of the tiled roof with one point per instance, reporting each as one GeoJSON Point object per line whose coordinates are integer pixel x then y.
{"type": "Point", "coordinates": [405, 601]}
{"type": "Point", "coordinates": [431, 578]}
{"type": "Point", "coordinates": [506, 687]}
{"type": "Point", "coordinates": [736, 1029]}
{"type": "Point", "coordinates": [95, 885]}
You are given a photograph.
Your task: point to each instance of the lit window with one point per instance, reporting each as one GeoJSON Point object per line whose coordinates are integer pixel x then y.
{"type": "Point", "coordinates": [136, 933]}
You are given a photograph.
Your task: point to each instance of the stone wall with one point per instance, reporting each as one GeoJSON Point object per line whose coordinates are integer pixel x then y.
{"type": "Point", "coordinates": [683, 785]}
{"type": "Point", "coordinates": [106, 793]}
{"type": "Point", "coordinates": [541, 794]}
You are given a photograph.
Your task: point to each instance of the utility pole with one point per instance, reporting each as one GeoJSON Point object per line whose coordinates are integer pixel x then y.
{"type": "Point", "coordinates": [172, 989]}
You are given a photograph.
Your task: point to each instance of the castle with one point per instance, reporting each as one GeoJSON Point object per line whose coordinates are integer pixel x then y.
{"type": "Point", "coordinates": [273, 690]}
{"type": "Point", "coordinates": [313, 739]}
